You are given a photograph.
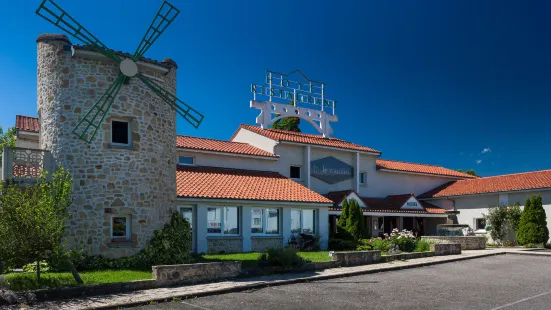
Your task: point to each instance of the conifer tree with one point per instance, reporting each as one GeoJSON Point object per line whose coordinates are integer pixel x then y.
{"type": "Point", "coordinates": [354, 223]}
{"type": "Point", "coordinates": [344, 214]}
{"type": "Point", "coordinates": [533, 223]}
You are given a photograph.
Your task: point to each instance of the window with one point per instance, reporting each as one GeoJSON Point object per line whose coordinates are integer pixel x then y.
{"type": "Point", "coordinates": [378, 223]}
{"type": "Point", "coordinates": [186, 160]}
{"type": "Point", "coordinates": [120, 228]}
{"type": "Point", "coordinates": [223, 220]}
{"type": "Point", "coordinates": [363, 178]}
{"type": "Point", "coordinates": [187, 213]}
{"type": "Point", "coordinates": [265, 221]}
{"type": "Point", "coordinates": [294, 172]}
{"type": "Point", "coordinates": [120, 133]}
{"type": "Point", "coordinates": [303, 221]}
{"type": "Point", "coordinates": [479, 223]}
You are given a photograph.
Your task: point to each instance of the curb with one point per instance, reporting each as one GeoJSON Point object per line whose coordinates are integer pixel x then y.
{"type": "Point", "coordinates": [294, 281]}
{"type": "Point", "coordinates": [531, 253]}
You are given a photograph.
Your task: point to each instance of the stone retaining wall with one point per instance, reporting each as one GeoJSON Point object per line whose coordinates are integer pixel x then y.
{"type": "Point", "coordinates": [467, 242]}
{"type": "Point", "coordinates": [225, 245]}
{"type": "Point", "coordinates": [392, 257]}
{"type": "Point", "coordinates": [446, 248]}
{"type": "Point", "coordinates": [193, 273]}
{"type": "Point", "coordinates": [263, 244]}
{"type": "Point", "coordinates": [357, 257]}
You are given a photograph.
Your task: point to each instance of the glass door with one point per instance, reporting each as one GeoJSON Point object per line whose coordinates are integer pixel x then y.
{"type": "Point", "coordinates": [188, 212]}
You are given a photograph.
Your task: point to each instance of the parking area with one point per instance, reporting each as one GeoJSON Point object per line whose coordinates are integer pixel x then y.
{"type": "Point", "coordinates": [498, 282]}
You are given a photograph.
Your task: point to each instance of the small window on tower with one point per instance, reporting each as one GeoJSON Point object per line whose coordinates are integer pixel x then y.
{"type": "Point", "coordinates": [120, 133]}
{"type": "Point", "coordinates": [294, 172]}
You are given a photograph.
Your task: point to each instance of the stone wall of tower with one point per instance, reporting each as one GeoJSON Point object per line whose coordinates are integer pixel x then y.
{"type": "Point", "coordinates": [108, 180]}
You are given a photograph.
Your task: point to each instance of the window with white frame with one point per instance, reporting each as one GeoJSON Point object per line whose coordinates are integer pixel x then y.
{"type": "Point", "coordinates": [363, 178]}
{"type": "Point", "coordinates": [120, 227]}
{"type": "Point", "coordinates": [265, 221]}
{"type": "Point", "coordinates": [303, 221]}
{"type": "Point", "coordinates": [121, 133]}
{"type": "Point", "coordinates": [479, 223]}
{"type": "Point", "coordinates": [295, 173]}
{"type": "Point", "coordinates": [187, 213]}
{"type": "Point", "coordinates": [223, 220]}
{"type": "Point", "coordinates": [186, 160]}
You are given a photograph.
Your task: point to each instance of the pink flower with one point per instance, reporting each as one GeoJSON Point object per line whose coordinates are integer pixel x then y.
{"type": "Point", "coordinates": [379, 238]}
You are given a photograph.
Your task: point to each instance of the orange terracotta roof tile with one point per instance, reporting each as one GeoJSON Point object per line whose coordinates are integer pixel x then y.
{"type": "Point", "coordinates": [225, 183]}
{"type": "Point", "coordinates": [220, 146]}
{"type": "Point", "coordinates": [27, 123]}
{"type": "Point", "coordinates": [500, 183]}
{"type": "Point", "coordinates": [420, 168]}
{"type": "Point", "coordinates": [304, 138]}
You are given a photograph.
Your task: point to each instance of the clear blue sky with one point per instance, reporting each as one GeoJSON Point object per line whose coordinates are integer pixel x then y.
{"type": "Point", "coordinates": [433, 82]}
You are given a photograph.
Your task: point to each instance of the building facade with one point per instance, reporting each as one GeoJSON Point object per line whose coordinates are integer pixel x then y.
{"type": "Point", "coordinates": [259, 189]}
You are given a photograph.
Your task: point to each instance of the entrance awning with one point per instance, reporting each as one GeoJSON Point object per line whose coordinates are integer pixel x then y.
{"type": "Point", "coordinates": [392, 205]}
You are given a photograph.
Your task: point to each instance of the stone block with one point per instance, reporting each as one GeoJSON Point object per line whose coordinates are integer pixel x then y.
{"type": "Point", "coordinates": [467, 242]}
{"type": "Point", "coordinates": [446, 248]}
{"type": "Point", "coordinates": [194, 273]}
{"type": "Point", "coordinates": [357, 258]}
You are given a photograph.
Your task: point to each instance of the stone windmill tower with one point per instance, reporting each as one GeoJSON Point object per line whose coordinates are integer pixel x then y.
{"type": "Point", "coordinates": [122, 106]}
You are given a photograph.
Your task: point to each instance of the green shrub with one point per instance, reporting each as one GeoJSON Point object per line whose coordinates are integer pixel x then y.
{"type": "Point", "coordinates": [534, 245]}
{"type": "Point", "coordinates": [44, 267]}
{"type": "Point", "coordinates": [283, 257]}
{"type": "Point", "coordinates": [533, 223]}
{"type": "Point", "coordinates": [169, 246]}
{"type": "Point", "coordinates": [336, 244]}
{"type": "Point", "coordinates": [364, 245]}
{"type": "Point", "coordinates": [422, 246]}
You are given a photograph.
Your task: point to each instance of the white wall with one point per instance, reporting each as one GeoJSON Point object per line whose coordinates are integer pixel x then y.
{"type": "Point", "coordinates": [383, 183]}
{"type": "Point", "coordinates": [200, 229]}
{"type": "Point", "coordinates": [261, 142]}
{"type": "Point", "coordinates": [27, 140]}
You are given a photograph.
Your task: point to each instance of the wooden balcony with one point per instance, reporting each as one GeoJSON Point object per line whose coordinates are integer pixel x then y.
{"type": "Point", "coordinates": [23, 165]}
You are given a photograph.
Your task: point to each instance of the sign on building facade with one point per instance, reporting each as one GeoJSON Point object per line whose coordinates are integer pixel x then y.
{"type": "Point", "coordinates": [331, 170]}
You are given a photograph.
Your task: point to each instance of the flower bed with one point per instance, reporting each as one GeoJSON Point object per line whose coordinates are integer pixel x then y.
{"type": "Point", "coordinates": [396, 242]}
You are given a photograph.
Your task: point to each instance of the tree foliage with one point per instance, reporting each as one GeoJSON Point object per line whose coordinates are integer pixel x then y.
{"type": "Point", "coordinates": [533, 223]}
{"type": "Point", "coordinates": [501, 219]}
{"type": "Point", "coordinates": [354, 222]}
{"type": "Point", "coordinates": [33, 219]}
{"type": "Point", "coordinates": [469, 171]}
{"type": "Point", "coordinates": [6, 139]}
{"type": "Point", "coordinates": [343, 219]}
{"type": "Point", "coordinates": [287, 123]}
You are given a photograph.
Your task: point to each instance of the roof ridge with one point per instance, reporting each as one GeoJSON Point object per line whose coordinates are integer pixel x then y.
{"type": "Point", "coordinates": [229, 169]}
{"type": "Point", "coordinates": [408, 162]}
{"type": "Point", "coordinates": [212, 139]}
{"type": "Point", "coordinates": [509, 174]}
{"type": "Point", "coordinates": [20, 115]}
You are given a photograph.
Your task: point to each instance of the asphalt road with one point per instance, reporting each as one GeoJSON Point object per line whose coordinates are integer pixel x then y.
{"type": "Point", "coordinates": [500, 282]}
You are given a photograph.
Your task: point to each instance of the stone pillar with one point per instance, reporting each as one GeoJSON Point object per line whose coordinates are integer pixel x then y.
{"type": "Point", "coordinates": [246, 228]}
{"type": "Point", "coordinates": [201, 224]}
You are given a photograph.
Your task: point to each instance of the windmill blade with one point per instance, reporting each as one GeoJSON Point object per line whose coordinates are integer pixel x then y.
{"type": "Point", "coordinates": [191, 115]}
{"type": "Point", "coordinates": [94, 118]}
{"type": "Point", "coordinates": [165, 16]}
{"type": "Point", "coordinates": [53, 13]}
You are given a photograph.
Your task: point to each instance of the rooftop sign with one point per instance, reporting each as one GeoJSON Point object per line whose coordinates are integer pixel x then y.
{"type": "Point", "coordinates": [293, 87]}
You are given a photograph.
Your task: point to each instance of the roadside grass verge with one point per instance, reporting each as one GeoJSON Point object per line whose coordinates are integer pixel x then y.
{"type": "Point", "coordinates": [27, 281]}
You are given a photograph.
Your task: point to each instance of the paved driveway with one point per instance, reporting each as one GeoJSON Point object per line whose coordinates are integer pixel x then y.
{"type": "Point", "coordinates": [498, 282]}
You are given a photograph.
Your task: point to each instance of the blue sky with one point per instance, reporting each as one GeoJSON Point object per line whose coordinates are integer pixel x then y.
{"type": "Point", "coordinates": [462, 84]}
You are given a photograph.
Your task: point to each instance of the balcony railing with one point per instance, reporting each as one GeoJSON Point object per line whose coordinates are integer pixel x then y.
{"type": "Point", "coordinates": [25, 165]}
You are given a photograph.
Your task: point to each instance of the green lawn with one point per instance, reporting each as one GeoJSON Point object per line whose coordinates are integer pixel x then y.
{"type": "Point", "coordinates": [27, 281]}
{"type": "Point", "coordinates": [251, 259]}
